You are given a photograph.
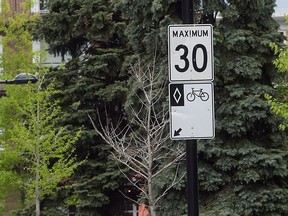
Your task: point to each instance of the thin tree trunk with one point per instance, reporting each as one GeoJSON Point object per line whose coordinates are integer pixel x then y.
{"type": "Point", "coordinates": [37, 198]}
{"type": "Point", "coordinates": [149, 97]}
{"type": "Point", "coordinates": [37, 205]}
{"type": "Point", "coordinates": [152, 210]}
{"type": "Point", "coordinates": [37, 174]}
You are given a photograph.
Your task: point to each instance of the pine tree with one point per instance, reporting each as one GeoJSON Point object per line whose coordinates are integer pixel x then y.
{"type": "Point", "coordinates": [92, 34]}
{"type": "Point", "coordinates": [243, 171]}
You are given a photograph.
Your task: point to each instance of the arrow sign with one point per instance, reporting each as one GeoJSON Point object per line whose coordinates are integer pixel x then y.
{"type": "Point", "coordinates": [177, 133]}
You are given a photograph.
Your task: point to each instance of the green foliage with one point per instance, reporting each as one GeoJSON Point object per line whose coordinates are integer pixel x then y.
{"type": "Point", "coordinates": [148, 33]}
{"type": "Point", "coordinates": [17, 40]}
{"type": "Point", "coordinates": [46, 150]}
{"type": "Point", "coordinates": [16, 58]}
{"type": "Point", "coordinates": [254, 201]}
{"type": "Point", "coordinates": [279, 106]}
{"type": "Point", "coordinates": [279, 103]}
{"type": "Point", "coordinates": [244, 170]}
{"type": "Point", "coordinates": [169, 204]}
{"type": "Point", "coordinates": [76, 23]}
{"type": "Point", "coordinates": [93, 34]}
{"type": "Point", "coordinates": [248, 159]}
{"type": "Point", "coordinates": [35, 152]}
{"type": "Point", "coordinates": [8, 180]}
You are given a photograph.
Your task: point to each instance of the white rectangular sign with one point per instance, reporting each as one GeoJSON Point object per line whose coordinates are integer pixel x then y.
{"type": "Point", "coordinates": [191, 111]}
{"type": "Point", "coordinates": [190, 52]}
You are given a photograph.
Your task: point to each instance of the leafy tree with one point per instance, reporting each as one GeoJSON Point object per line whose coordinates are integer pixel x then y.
{"type": "Point", "coordinates": [36, 155]}
{"type": "Point", "coordinates": [279, 101]}
{"type": "Point", "coordinates": [16, 57]}
{"type": "Point", "coordinates": [9, 178]}
{"type": "Point", "coordinates": [46, 150]}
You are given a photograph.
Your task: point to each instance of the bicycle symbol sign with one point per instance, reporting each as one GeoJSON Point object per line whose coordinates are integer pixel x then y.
{"type": "Point", "coordinates": [191, 96]}
{"type": "Point", "coordinates": [191, 110]}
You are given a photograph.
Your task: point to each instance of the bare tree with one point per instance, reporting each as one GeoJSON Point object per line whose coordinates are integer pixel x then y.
{"type": "Point", "coordinates": [143, 144]}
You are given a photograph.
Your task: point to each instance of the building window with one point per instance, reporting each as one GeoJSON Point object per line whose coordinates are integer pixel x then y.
{"type": "Point", "coordinates": [43, 6]}
{"type": "Point", "coordinates": [42, 56]}
{"type": "Point", "coordinates": [284, 33]}
{"type": "Point", "coordinates": [130, 209]}
{"type": "Point", "coordinates": [39, 6]}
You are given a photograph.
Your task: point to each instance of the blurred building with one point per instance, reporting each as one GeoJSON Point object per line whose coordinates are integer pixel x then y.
{"type": "Point", "coordinates": [279, 16]}
{"type": "Point", "coordinates": [40, 47]}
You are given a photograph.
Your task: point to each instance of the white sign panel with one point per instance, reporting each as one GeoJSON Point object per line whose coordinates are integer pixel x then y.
{"type": "Point", "coordinates": [191, 111]}
{"type": "Point", "coordinates": [190, 52]}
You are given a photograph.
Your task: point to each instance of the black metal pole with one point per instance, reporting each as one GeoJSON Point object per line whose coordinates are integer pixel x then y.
{"type": "Point", "coordinates": [191, 145]}
{"type": "Point", "coordinates": [187, 12]}
{"type": "Point", "coordinates": [192, 177]}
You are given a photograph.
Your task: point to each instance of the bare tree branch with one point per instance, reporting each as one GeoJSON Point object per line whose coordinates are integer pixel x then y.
{"type": "Point", "coordinates": [142, 144]}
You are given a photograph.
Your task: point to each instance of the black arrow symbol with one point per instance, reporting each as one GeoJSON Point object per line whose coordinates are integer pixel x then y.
{"type": "Point", "coordinates": [177, 133]}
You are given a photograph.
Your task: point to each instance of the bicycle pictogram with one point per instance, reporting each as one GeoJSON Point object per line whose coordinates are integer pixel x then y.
{"type": "Point", "coordinates": [191, 96]}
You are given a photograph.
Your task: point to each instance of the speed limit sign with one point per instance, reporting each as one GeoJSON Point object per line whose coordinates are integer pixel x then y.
{"type": "Point", "coordinates": [190, 54]}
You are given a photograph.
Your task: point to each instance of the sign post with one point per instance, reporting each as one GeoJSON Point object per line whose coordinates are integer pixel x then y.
{"type": "Point", "coordinates": [191, 91]}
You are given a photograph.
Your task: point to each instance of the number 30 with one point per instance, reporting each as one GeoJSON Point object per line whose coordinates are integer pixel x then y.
{"type": "Point", "coordinates": [194, 61]}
